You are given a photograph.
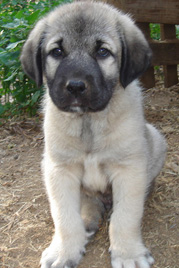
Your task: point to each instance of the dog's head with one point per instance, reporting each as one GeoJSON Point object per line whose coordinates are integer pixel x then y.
{"type": "Point", "coordinates": [83, 51]}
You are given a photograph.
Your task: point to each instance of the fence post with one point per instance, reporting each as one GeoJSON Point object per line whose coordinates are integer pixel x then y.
{"type": "Point", "coordinates": [148, 78]}
{"type": "Point", "coordinates": [168, 32]}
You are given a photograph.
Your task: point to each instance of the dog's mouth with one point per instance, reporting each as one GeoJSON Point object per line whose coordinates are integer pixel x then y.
{"type": "Point", "coordinates": [90, 101]}
{"type": "Point", "coordinates": [80, 106]}
{"type": "Point", "coordinates": [76, 107]}
{"type": "Point", "coordinates": [82, 109]}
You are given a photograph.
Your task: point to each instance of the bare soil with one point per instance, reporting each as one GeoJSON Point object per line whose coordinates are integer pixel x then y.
{"type": "Point", "coordinates": [26, 226]}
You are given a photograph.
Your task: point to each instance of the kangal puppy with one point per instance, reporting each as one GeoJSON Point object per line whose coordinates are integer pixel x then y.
{"type": "Point", "coordinates": [89, 55]}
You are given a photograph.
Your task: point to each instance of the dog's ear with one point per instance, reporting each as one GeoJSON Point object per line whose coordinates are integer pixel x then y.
{"type": "Point", "coordinates": [31, 56]}
{"type": "Point", "coordinates": [136, 53]}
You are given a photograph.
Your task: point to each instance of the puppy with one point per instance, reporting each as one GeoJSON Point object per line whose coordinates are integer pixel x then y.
{"type": "Point", "coordinates": [89, 56]}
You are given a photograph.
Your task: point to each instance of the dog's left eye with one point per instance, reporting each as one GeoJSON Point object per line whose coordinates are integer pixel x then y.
{"type": "Point", "coordinates": [103, 52]}
{"type": "Point", "coordinates": [56, 52]}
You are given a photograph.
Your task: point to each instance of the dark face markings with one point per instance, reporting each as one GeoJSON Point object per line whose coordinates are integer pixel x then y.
{"type": "Point", "coordinates": [79, 83]}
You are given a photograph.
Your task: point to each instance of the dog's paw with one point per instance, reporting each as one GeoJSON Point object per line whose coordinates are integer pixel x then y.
{"type": "Point", "coordinates": [142, 261]}
{"type": "Point", "coordinates": [62, 255]}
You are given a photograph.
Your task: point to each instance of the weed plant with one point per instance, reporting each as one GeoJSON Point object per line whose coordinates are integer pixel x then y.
{"type": "Point", "coordinates": [18, 93]}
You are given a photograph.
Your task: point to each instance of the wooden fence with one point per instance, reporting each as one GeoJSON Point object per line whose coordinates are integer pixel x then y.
{"type": "Point", "coordinates": [165, 51]}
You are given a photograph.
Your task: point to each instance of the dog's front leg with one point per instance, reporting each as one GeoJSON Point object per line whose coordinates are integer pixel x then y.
{"type": "Point", "coordinates": [129, 186]}
{"type": "Point", "coordinates": [67, 246]}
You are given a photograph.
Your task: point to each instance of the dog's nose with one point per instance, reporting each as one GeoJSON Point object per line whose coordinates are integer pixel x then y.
{"type": "Point", "coordinates": [76, 87]}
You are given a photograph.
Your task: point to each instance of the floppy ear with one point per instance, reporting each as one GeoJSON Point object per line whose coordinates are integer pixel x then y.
{"type": "Point", "coordinates": [136, 53]}
{"type": "Point", "coordinates": [31, 56]}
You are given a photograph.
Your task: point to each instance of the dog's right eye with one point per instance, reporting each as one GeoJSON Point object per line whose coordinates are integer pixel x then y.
{"type": "Point", "coordinates": [103, 52]}
{"type": "Point", "coordinates": [56, 52]}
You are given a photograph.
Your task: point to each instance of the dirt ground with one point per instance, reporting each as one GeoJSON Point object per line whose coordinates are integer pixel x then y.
{"type": "Point", "coordinates": [26, 226]}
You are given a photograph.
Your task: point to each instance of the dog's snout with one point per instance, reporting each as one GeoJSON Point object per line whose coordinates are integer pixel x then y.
{"type": "Point", "coordinates": [76, 87]}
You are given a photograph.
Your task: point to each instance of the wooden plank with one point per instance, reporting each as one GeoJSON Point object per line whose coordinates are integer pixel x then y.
{"type": "Point", "coordinates": [165, 52]}
{"type": "Point", "coordinates": [145, 28]}
{"type": "Point", "coordinates": [170, 75]}
{"type": "Point", "coordinates": [167, 31]}
{"type": "Point", "coordinates": [148, 78]}
{"type": "Point", "coordinates": [155, 11]}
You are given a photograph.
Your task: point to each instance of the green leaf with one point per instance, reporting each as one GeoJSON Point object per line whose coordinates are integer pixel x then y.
{"type": "Point", "coordinates": [9, 58]}
{"type": "Point", "coordinates": [32, 18]}
{"type": "Point", "coordinates": [21, 75]}
{"type": "Point", "coordinates": [13, 45]}
{"type": "Point", "coordinates": [3, 57]}
{"type": "Point", "coordinates": [11, 76]}
{"type": "Point", "coordinates": [20, 14]}
{"type": "Point", "coordinates": [35, 97]}
{"type": "Point", "coordinates": [14, 39]}
{"type": "Point", "coordinates": [16, 23]}
{"type": "Point", "coordinates": [1, 109]}
{"type": "Point", "coordinates": [14, 2]}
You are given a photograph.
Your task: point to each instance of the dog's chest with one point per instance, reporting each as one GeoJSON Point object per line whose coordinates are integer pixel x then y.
{"type": "Point", "coordinates": [87, 134]}
{"type": "Point", "coordinates": [92, 138]}
{"type": "Point", "coordinates": [93, 134]}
